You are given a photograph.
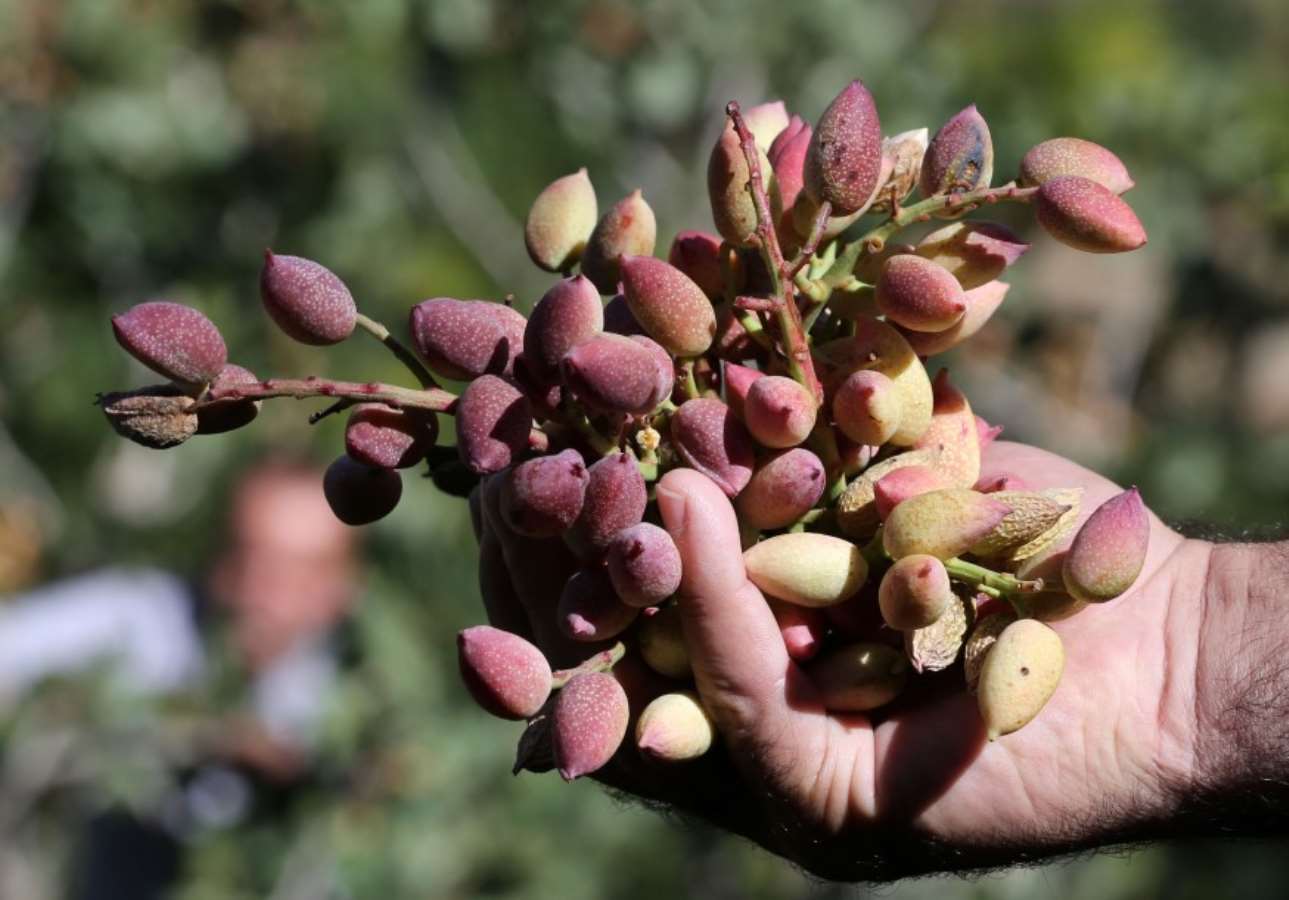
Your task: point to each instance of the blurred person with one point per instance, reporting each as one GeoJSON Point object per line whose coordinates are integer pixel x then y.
{"type": "Point", "coordinates": [1170, 720]}
{"type": "Point", "coordinates": [261, 635]}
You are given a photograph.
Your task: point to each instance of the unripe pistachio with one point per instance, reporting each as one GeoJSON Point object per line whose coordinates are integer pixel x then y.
{"type": "Point", "coordinates": [674, 728]}
{"type": "Point", "coordinates": [854, 304]}
{"type": "Point", "coordinates": [359, 494]}
{"type": "Point", "coordinates": [982, 302]}
{"type": "Point", "coordinates": [698, 255]}
{"type": "Point", "coordinates": [560, 222]}
{"type": "Point", "coordinates": [943, 524]}
{"type": "Point", "coordinates": [936, 647]}
{"type": "Point", "coordinates": [979, 642]}
{"type": "Point", "coordinates": [1069, 497]}
{"type": "Point", "coordinates": [1019, 675]}
{"type": "Point", "coordinates": [544, 395]}
{"type": "Point", "coordinates": [588, 722]}
{"type": "Point", "coordinates": [1004, 481]}
{"type": "Point", "coordinates": [672, 309]}
{"type": "Point", "coordinates": [859, 677]}
{"type": "Point", "coordinates": [543, 496]}
{"type": "Point", "coordinates": [454, 478]}
{"type": "Point", "coordinates": [493, 420]}
{"type": "Point", "coordinates": [590, 610]}
{"type": "Point", "coordinates": [953, 432]}
{"type": "Point", "coordinates": [664, 365]}
{"type": "Point", "coordinates": [627, 229]}
{"type": "Point", "coordinates": [1032, 514]}
{"type": "Point", "coordinates": [857, 505]}
{"type": "Point", "coordinates": [878, 346]}
{"type": "Point", "coordinates": [806, 568]}
{"type": "Point", "coordinates": [804, 212]}
{"type": "Point", "coordinates": [728, 175]}
{"type": "Point", "coordinates": [570, 312]}
{"type": "Point", "coordinates": [661, 641]}
{"type": "Point", "coordinates": [869, 266]}
{"type": "Point", "coordinates": [389, 438]}
{"type": "Point", "coordinates": [902, 154]}
{"type": "Point", "coordinates": [618, 318]}
{"type": "Point", "coordinates": [973, 252]}
{"type": "Point", "coordinates": [844, 161]}
{"type": "Point", "coordinates": [156, 417]}
{"type": "Point", "coordinates": [1052, 604]}
{"type": "Point", "coordinates": [644, 565]}
{"type": "Point", "coordinates": [803, 629]}
{"type": "Point", "coordinates": [732, 342]}
{"type": "Point", "coordinates": [173, 340]}
{"type": "Point", "coordinates": [708, 438]}
{"type": "Point", "coordinates": [795, 126]}
{"type": "Point", "coordinates": [782, 490]}
{"type": "Point", "coordinates": [615, 499]}
{"type": "Point", "coordinates": [1086, 216]}
{"type": "Point", "coordinates": [918, 294]}
{"type": "Point", "coordinates": [307, 300]}
{"type": "Point", "coordinates": [859, 619]}
{"type": "Point", "coordinates": [853, 458]}
{"type": "Point", "coordinates": [894, 488]}
{"type": "Point", "coordinates": [226, 415]}
{"type": "Point", "coordinates": [766, 121]}
{"type": "Point", "coordinates": [463, 339]}
{"type": "Point", "coordinates": [960, 157]}
{"type": "Point", "coordinates": [534, 752]}
{"type": "Point", "coordinates": [737, 381]}
{"type": "Point", "coordinates": [914, 592]}
{"type": "Point", "coordinates": [779, 412]}
{"type": "Point", "coordinates": [1074, 156]}
{"type": "Point", "coordinates": [788, 157]}
{"type": "Point", "coordinates": [504, 673]}
{"type": "Point", "coordinates": [1109, 550]}
{"type": "Point", "coordinates": [866, 407]}
{"type": "Point", "coordinates": [614, 374]}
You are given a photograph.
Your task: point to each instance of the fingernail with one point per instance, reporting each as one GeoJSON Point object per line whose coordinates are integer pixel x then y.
{"type": "Point", "coordinates": [674, 510]}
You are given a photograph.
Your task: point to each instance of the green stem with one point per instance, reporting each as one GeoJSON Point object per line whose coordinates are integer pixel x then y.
{"type": "Point", "coordinates": [824, 442]}
{"type": "Point", "coordinates": [405, 356]}
{"type": "Point", "coordinates": [810, 517]}
{"type": "Point", "coordinates": [604, 661]}
{"type": "Point", "coordinates": [752, 325]}
{"type": "Point", "coordinates": [599, 443]}
{"type": "Point", "coordinates": [875, 240]}
{"type": "Point", "coordinates": [874, 552]}
{"type": "Point", "coordinates": [689, 385]}
{"type": "Point", "coordinates": [988, 580]}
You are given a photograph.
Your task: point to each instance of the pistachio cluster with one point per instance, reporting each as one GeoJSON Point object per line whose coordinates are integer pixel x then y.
{"type": "Point", "coordinates": [784, 357]}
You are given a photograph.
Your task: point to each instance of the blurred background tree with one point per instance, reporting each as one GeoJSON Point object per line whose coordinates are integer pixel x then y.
{"type": "Point", "coordinates": [154, 148]}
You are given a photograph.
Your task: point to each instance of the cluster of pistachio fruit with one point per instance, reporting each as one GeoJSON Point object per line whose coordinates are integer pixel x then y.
{"type": "Point", "coordinates": [784, 358]}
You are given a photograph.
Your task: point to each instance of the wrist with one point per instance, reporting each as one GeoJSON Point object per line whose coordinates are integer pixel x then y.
{"type": "Point", "coordinates": [1238, 759]}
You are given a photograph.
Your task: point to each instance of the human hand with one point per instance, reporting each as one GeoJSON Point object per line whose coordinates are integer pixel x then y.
{"type": "Point", "coordinates": [914, 787]}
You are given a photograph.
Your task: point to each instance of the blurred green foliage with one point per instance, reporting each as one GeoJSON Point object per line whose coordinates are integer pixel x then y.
{"type": "Point", "coordinates": [156, 147]}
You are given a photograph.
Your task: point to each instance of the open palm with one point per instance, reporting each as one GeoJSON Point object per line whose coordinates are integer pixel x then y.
{"type": "Point", "coordinates": [916, 788]}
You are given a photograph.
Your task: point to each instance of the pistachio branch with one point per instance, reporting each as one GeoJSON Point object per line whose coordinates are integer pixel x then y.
{"type": "Point", "coordinates": [604, 661]}
{"type": "Point", "coordinates": [392, 395]}
{"type": "Point", "coordinates": [875, 240]}
{"type": "Point", "coordinates": [791, 333]}
{"type": "Point", "coordinates": [405, 356]}
{"type": "Point", "coordinates": [808, 249]}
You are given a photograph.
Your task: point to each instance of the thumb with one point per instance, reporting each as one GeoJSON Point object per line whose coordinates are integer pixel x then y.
{"type": "Point", "coordinates": [739, 659]}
